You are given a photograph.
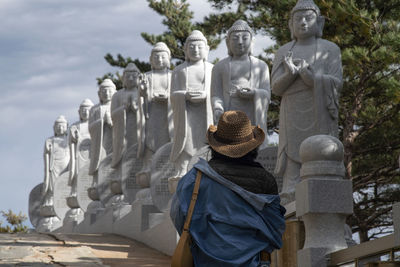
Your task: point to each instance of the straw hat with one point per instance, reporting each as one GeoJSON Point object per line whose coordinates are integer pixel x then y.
{"type": "Point", "coordinates": [234, 136]}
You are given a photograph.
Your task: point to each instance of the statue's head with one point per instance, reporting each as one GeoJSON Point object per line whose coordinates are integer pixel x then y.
{"type": "Point", "coordinates": [84, 109]}
{"type": "Point", "coordinates": [239, 39]}
{"type": "Point", "coordinates": [160, 57]}
{"type": "Point", "coordinates": [60, 126]}
{"type": "Point", "coordinates": [306, 20]}
{"type": "Point", "coordinates": [106, 90]}
{"type": "Point", "coordinates": [130, 77]}
{"type": "Point", "coordinates": [196, 47]}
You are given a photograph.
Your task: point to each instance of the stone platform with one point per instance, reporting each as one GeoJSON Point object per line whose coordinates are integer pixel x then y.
{"type": "Point", "coordinates": [34, 249]}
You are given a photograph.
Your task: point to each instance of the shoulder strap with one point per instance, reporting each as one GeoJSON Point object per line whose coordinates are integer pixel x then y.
{"type": "Point", "coordinates": [193, 201]}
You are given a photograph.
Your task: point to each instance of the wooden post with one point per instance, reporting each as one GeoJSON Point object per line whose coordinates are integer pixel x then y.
{"type": "Point", "coordinates": [293, 240]}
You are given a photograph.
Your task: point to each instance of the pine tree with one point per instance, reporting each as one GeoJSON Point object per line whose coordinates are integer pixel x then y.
{"type": "Point", "coordinates": [178, 19]}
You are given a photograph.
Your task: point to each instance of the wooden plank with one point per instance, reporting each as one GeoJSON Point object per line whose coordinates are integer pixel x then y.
{"type": "Point", "coordinates": [369, 248]}
{"type": "Point", "coordinates": [293, 240]}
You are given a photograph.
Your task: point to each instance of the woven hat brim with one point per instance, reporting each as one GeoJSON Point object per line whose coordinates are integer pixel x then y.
{"type": "Point", "coordinates": [235, 150]}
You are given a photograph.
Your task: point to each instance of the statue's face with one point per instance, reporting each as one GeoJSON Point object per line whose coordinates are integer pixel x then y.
{"type": "Point", "coordinates": [105, 94]}
{"type": "Point", "coordinates": [60, 128]}
{"type": "Point", "coordinates": [84, 113]}
{"type": "Point", "coordinates": [159, 60]}
{"type": "Point", "coordinates": [240, 42]}
{"type": "Point", "coordinates": [305, 24]}
{"type": "Point", "coordinates": [131, 79]}
{"type": "Point", "coordinates": [196, 50]}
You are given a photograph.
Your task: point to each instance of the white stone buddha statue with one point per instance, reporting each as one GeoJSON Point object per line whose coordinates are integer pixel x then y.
{"type": "Point", "coordinates": [241, 81]}
{"type": "Point", "coordinates": [190, 101]}
{"type": "Point", "coordinates": [307, 74]}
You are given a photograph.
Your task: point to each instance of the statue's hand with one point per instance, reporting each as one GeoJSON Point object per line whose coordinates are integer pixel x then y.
{"type": "Point", "coordinates": [246, 93]}
{"type": "Point", "coordinates": [143, 85]}
{"type": "Point", "coordinates": [307, 73]}
{"type": "Point", "coordinates": [160, 97]}
{"type": "Point", "coordinates": [197, 96]}
{"type": "Point", "coordinates": [291, 67]}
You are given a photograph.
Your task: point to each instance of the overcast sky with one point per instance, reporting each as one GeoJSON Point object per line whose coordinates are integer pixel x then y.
{"type": "Point", "coordinates": [51, 53]}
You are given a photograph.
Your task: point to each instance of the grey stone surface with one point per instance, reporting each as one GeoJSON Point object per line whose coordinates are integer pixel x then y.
{"type": "Point", "coordinates": [190, 102]}
{"type": "Point", "coordinates": [161, 170]}
{"type": "Point", "coordinates": [324, 230]}
{"type": "Point", "coordinates": [267, 158]}
{"type": "Point", "coordinates": [396, 223]}
{"type": "Point", "coordinates": [35, 201]}
{"type": "Point", "coordinates": [61, 191]}
{"type": "Point", "coordinates": [307, 74]}
{"type": "Point", "coordinates": [106, 174]}
{"type": "Point", "coordinates": [312, 257]}
{"type": "Point", "coordinates": [323, 199]}
{"type": "Point", "coordinates": [241, 81]}
{"type": "Point", "coordinates": [324, 195]}
{"type": "Point", "coordinates": [83, 183]}
{"type": "Point", "coordinates": [131, 165]}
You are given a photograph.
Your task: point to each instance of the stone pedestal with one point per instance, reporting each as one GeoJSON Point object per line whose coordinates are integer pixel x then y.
{"type": "Point", "coordinates": [396, 223]}
{"type": "Point", "coordinates": [74, 215]}
{"type": "Point", "coordinates": [131, 165]}
{"type": "Point", "coordinates": [161, 170]}
{"type": "Point", "coordinates": [106, 175]}
{"type": "Point", "coordinates": [83, 183]}
{"type": "Point", "coordinates": [61, 192]}
{"type": "Point", "coordinates": [323, 199]}
{"type": "Point", "coordinates": [35, 200]}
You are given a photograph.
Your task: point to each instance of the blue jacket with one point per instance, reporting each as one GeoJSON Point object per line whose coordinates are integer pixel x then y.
{"type": "Point", "coordinates": [230, 226]}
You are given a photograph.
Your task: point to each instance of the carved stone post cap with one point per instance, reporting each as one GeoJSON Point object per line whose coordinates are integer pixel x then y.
{"type": "Point", "coordinates": [321, 148]}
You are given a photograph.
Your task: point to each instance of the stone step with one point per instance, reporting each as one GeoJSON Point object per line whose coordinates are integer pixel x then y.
{"type": "Point", "coordinates": [35, 249]}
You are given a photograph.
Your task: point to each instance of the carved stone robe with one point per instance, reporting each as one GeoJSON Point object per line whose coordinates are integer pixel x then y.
{"type": "Point", "coordinates": [101, 136]}
{"type": "Point", "coordinates": [257, 107]}
{"type": "Point", "coordinates": [157, 130]}
{"type": "Point", "coordinates": [125, 122]}
{"type": "Point", "coordinates": [79, 143]}
{"type": "Point", "coordinates": [304, 110]}
{"type": "Point", "coordinates": [191, 120]}
{"type": "Point", "coordinates": [56, 160]}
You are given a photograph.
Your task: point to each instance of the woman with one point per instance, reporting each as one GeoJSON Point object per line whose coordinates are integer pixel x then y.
{"type": "Point", "coordinates": [237, 219]}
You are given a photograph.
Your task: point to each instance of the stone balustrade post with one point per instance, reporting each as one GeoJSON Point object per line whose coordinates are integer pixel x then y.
{"type": "Point", "coordinates": [323, 199]}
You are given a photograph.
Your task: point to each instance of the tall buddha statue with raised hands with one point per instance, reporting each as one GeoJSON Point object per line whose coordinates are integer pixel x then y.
{"type": "Point", "coordinates": [241, 81]}
{"type": "Point", "coordinates": [307, 74]}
